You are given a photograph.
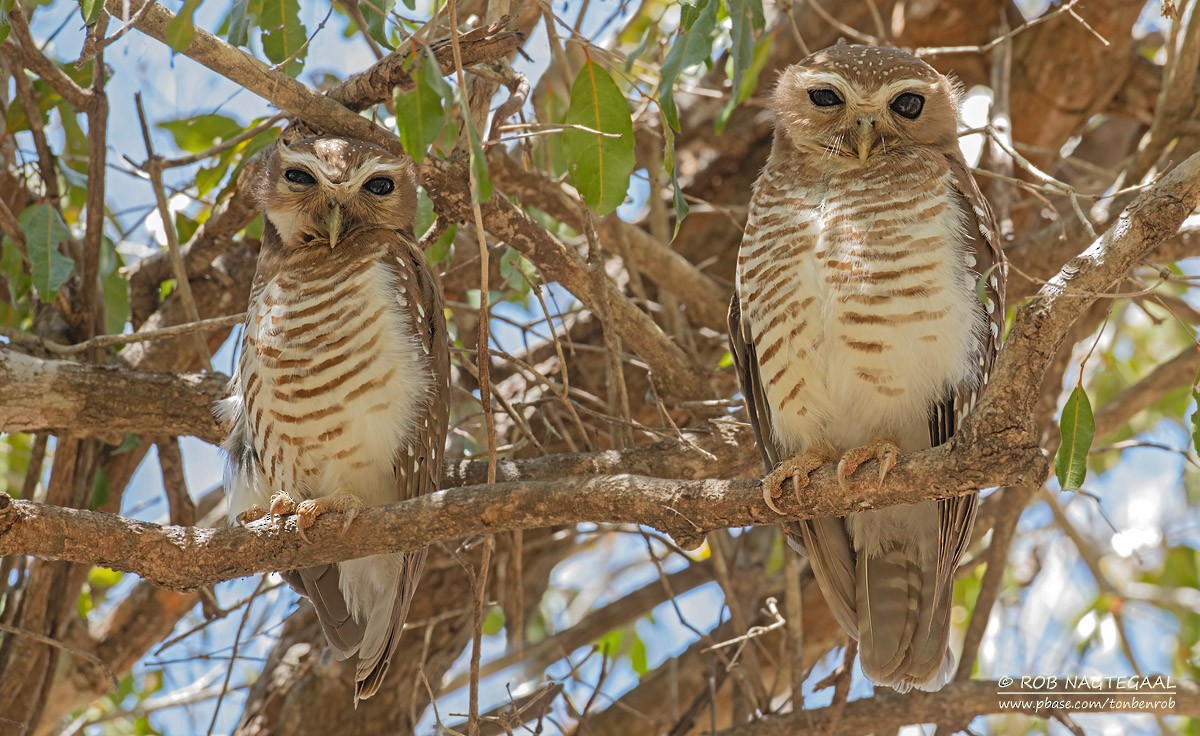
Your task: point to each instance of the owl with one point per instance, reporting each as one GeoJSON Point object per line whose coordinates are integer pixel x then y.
{"type": "Point", "coordinates": [340, 397]}
{"type": "Point", "coordinates": [867, 315]}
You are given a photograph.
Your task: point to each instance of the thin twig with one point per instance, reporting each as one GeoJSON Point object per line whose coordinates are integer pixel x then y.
{"type": "Point", "coordinates": [68, 648]}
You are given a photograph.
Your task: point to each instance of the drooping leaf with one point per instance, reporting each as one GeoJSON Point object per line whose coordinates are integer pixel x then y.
{"type": "Point", "coordinates": [181, 30]}
{"type": "Point", "coordinates": [283, 34]}
{"type": "Point", "coordinates": [1077, 427]}
{"type": "Point", "coordinates": [692, 46]}
{"type": "Point", "coordinates": [44, 231]}
{"type": "Point", "coordinates": [749, 81]}
{"type": "Point", "coordinates": [746, 17]}
{"type": "Point", "coordinates": [677, 198]}
{"type": "Point", "coordinates": [201, 132]}
{"type": "Point", "coordinates": [375, 13]}
{"type": "Point", "coordinates": [1196, 414]}
{"type": "Point", "coordinates": [481, 184]}
{"type": "Point", "coordinates": [114, 287]}
{"type": "Point", "coordinates": [243, 15]}
{"type": "Point", "coordinates": [600, 158]}
{"type": "Point", "coordinates": [421, 113]}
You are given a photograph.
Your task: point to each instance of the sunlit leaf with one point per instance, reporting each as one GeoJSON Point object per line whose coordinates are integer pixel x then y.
{"type": "Point", "coordinates": [637, 656]}
{"type": "Point", "coordinates": [493, 622]}
{"type": "Point", "coordinates": [283, 34]}
{"type": "Point", "coordinates": [421, 113]}
{"type": "Point", "coordinates": [181, 30]}
{"type": "Point", "coordinates": [201, 132]}
{"type": "Point", "coordinates": [1077, 427]}
{"type": "Point", "coordinates": [601, 158]}
{"type": "Point", "coordinates": [103, 577]}
{"type": "Point", "coordinates": [90, 10]}
{"type": "Point", "coordinates": [44, 231]}
{"type": "Point", "coordinates": [692, 46]}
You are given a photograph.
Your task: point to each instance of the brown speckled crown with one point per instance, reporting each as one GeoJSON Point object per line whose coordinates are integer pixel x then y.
{"type": "Point", "coordinates": [872, 64]}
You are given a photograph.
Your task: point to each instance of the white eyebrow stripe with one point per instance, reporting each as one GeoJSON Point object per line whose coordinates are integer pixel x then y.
{"type": "Point", "coordinates": [882, 97]}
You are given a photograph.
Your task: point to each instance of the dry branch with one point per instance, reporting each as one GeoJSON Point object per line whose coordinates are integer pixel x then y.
{"type": "Point", "coordinates": [184, 558]}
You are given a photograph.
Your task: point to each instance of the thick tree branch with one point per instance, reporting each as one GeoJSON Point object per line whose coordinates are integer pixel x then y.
{"type": "Point", "coordinates": [187, 557]}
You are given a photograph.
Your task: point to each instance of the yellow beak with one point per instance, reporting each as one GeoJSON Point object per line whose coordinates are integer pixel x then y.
{"type": "Point", "coordinates": [866, 138]}
{"type": "Point", "coordinates": [335, 226]}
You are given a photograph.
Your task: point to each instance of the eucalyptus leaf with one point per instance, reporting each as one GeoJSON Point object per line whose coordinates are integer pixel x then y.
{"type": "Point", "coordinates": [283, 34]}
{"type": "Point", "coordinates": [181, 30]}
{"type": "Point", "coordinates": [44, 231]}
{"type": "Point", "coordinates": [693, 45]}
{"type": "Point", "coordinates": [600, 158]}
{"type": "Point", "coordinates": [421, 112]}
{"type": "Point", "coordinates": [1077, 427]}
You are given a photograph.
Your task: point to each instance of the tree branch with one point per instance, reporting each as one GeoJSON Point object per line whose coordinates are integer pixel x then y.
{"type": "Point", "coordinates": [185, 558]}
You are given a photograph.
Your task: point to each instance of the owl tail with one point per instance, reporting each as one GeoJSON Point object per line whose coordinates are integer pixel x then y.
{"type": "Point", "coordinates": [320, 584]}
{"type": "Point", "coordinates": [384, 623]}
{"type": "Point", "coordinates": [903, 622]}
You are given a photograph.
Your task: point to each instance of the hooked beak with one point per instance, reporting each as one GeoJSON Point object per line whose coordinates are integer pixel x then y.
{"type": "Point", "coordinates": [866, 138]}
{"type": "Point", "coordinates": [335, 225]}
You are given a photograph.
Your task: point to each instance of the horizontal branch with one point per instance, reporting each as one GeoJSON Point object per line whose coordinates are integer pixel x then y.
{"type": "Point", "coordinates": [185, 558]}
{"type": "Point", "coordinates": [64, 396]}
{"type": "Point", "coordinates": [959, 702]}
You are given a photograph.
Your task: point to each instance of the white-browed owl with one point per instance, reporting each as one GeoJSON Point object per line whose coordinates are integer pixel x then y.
{"type": "Point", "coordinates": [868, 313]}
{"type": "Point", "coordinates": [340, 397]}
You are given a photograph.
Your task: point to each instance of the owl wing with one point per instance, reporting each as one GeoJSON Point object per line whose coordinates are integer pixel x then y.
{"type": "Point", "coordinates": [957, 515]}
{"type": "Point", "coordinates": [745, 360]}
{"type": "Point", "coordinates": [418, 467]}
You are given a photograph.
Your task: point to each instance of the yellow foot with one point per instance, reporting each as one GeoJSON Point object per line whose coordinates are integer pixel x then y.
{"type": "Point", "coordinates": [281, 503]}
{"type": "Point", "coordinates": [797, 468]}
{"type": "Point", "coordinates": [343, 500]}
{"type": "Point", "coordinates": [254, 513]}
{"type": "Point", "coordinates": [883, 450]}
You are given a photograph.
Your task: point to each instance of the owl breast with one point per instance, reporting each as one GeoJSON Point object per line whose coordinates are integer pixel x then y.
{"type": "Point", "coordinates": [333, 380]}
{"type": "Point", "coordinates": [861, 298]}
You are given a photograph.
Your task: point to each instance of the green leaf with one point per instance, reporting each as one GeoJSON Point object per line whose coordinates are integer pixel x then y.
{"type": "Point", "coordinates": [12, 268]}
{"type": "Point", "coordinates": [201, 132]}
{"type": "Point", "coordinates": [375, 13]}
{"type": "Point", "coordinates": [517, 272]}
{"type": "Point", "coordinates": [243, 15]}
{"type": "Point", "coordinates": [99, 491]}
{"type": "Point", "coordinates": [692, 46]}
{"type": "Point", "coordinates": [677, 199]}
{"type": "Point", "coordinates": [726, 360]}
{"type": "Point", "coordinates": [749, 81]}
{"type": "Point", "coordinates": [83, 604]}
{"type": "Point", "coordinates": [90, 10]}
{"type": "Point", "coordinates": [493, 622]}
{"type": "Point", "coordinates": [746, 17]}
{"type": "Point", "coordinates": [5, 26]}
{"type": "Point", "coordinates": [1196, 414]}
{"type": "Point", "coordinates": [421, 113]}
{"type": "Point", "coordinates": [600, 161]}
{"type": "Point", "coordinates": [481, 184]}
{"type": "Point", "coordinates": [1077, 427]}
{"type": "Point", "coordinates": [181, 30]}
{"type": "Point", "coordinates": [103, 577]}
{"type": "Point", "coordinates": [283, 34]}
{"type": "Point", "coordinates": [637, 656]}
{"type": "Point", "coordinates": [114, 287]}
{"type": "Point", "coordinates": [44, 231]}
{"type": "Point", "coordinates": [440, 250]}
{"type": "Point", "coordinates": [129, 444]}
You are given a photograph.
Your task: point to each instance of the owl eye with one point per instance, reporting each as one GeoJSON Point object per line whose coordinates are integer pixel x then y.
{"type": "Point", "coordinates": [824, 97]}
{"type": "Point", "coordinates": [908, 105]}
{"type": "Point", "coordinates": [380, 185]}
{"type": "Point", "coordinates": [299, 176]}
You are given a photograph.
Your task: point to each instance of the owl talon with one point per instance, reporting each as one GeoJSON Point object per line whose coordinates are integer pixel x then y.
{"type": "Point", "coordinates": [342, 500]}
{"type": "Point", "coordinates": [251, 514]}
{"type": "Point", "coordinates": [282, 504]}
{"type": "Point", "coordinates": [794, 468]}
{"type": "Point", "coordinates": [883, 450]}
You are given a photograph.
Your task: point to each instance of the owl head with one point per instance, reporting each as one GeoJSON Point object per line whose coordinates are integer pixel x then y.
{"type": "Point", "coordinates": [320, 190]}
{"type": "Point", "coordinates": [860, 102]}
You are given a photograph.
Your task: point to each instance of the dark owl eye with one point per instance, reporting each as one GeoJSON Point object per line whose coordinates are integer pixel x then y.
{"type": "Point", "coordinates": [380, 185]}
{"type": "Point", "coordinates": [299, 176]}
{"type": "Point", "coordinates": [908, 105]}
{"type": "Point", "coordinates": [824, 97]}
